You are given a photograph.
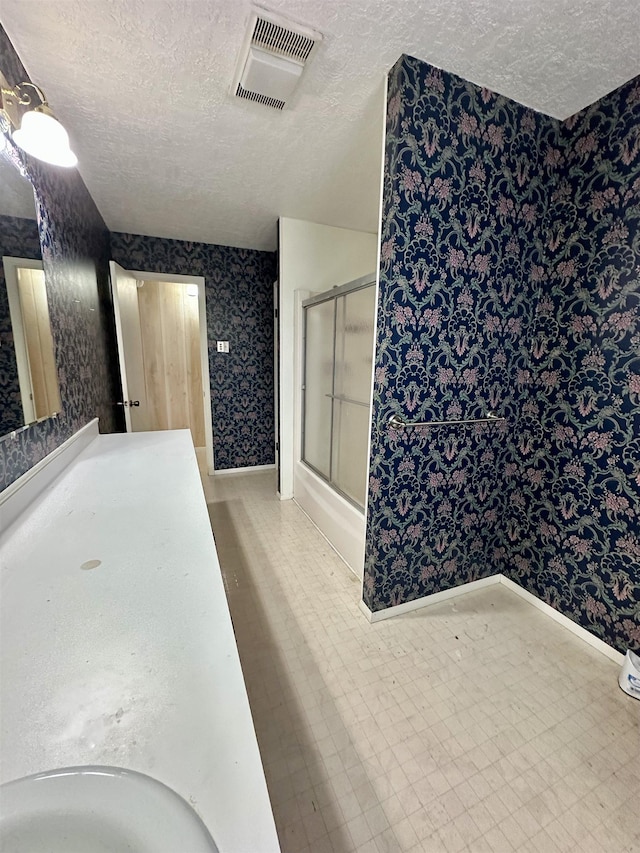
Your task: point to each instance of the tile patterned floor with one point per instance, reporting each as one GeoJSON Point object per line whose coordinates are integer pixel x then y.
{"type": "Point", "coordinates": [478, 724]}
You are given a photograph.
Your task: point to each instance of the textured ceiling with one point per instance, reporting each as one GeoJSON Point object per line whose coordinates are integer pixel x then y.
{"type": "Point", "coordinates": [143, 88]}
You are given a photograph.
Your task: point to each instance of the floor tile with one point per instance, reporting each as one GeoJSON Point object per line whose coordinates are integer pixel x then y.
{"type": "Point", "coordinates": [477, 724]}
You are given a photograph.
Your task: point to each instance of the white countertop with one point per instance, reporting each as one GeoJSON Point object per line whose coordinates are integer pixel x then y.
{"type": "Point", "coordinates": [132, 663]}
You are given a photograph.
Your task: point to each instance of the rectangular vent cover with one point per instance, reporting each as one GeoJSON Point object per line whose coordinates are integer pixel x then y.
{"type": "Point", "coordinates": [281, 41]}
{"type": "Point", "coordinates": [280, 38]}
{"type": "Point", "coordinates": [259, 99]}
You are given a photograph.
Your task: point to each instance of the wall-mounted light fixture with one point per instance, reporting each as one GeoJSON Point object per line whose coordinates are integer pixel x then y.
{"type": "Point", "coordinates": [26, 115]}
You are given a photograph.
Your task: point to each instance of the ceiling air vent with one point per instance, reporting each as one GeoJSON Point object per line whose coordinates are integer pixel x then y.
{"type": "Point", "coordinates": [272, 60]}
{"type": "Point", "coordinates": [259, 99]}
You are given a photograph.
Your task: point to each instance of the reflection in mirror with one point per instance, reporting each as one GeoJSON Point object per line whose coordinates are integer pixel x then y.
{"type": "Point", "coordinates": [32, 341]}
{"type": "Point", "coordinates": [29, 388]}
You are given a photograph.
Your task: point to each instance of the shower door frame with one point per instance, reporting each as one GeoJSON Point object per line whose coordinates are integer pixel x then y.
{"type": "Point", "coordinates": [334, 294]}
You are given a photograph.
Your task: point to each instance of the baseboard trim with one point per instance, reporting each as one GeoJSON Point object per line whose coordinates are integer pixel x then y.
{"type": "Point", "coordinates": [561, 619]}
{"type": "Point", "coordinates": [428, 600]}
{"type": "Point", "coordinates": [463, 589]}
{"type": "Point", "coordinates": [249, 469]}
{"type": "Point", "coordinates": [19, 494]}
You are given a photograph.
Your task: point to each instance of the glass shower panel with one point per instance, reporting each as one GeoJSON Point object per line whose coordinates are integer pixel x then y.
{"type": "Point", "coordinates": [354, 344]}
{"type": "Point", "coordinates": [339, 331]}
{"type": "Point", "coordinates": [318, 383]}
{"type": "Point", "coordinates": [350, 460]}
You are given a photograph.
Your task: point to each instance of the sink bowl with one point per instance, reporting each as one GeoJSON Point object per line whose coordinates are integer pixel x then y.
{"type": "Point", "coordinates": [97, 810]}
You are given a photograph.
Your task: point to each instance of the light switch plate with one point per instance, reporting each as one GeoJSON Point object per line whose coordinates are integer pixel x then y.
{"type": "Point", "coordinates": [223, 346]}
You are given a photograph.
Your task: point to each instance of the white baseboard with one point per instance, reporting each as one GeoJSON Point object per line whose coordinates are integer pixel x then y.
{"type": "Point", "coordinates": [428, 600]}
{"type": "Point", "coordinates": [563, 620]}
{"type": "Point", "coordinates": [17, 496]}
{"type": "Point", "coordinates": [463, 589]}
{"type": "Point", "coordinates": [249, 469]}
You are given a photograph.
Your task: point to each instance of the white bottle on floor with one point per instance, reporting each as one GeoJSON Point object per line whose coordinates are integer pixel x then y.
{"type": "Point", "coordinates": [629, 679]}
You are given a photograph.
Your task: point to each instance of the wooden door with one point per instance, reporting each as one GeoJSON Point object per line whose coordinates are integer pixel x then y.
{"type": "Point", "coordinates": [127, 315]}
{"type": "Point", "coordinates": [169, 322]}
{"type": "Point", "coordinates": [39, 343]}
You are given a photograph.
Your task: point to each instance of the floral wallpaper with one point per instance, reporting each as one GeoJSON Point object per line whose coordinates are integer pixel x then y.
{"type": "Point", "coordinates": [18, 239]}
{"type": "Point", "coordinates": [464, 192]}
{"type": "Point", "coordinates": [239, 296]}
{"type": "Point", "coordinates": [508, 281]}
{"type": "Point", "coordinates": [75, 254]}
{"type": "Point", "coordinates": [574, 518]}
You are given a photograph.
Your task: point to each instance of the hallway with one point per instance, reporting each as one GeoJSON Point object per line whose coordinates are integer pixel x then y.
{"type": "Point", "coordinates": [477, 724]}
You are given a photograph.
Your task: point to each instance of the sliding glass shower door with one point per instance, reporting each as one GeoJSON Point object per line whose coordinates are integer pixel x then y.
{"type": "Point", "coordinates": [339, 328]}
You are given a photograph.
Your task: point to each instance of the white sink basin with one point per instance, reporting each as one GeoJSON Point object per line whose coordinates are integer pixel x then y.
{"type": "Point", "coordinates": [97, 810]}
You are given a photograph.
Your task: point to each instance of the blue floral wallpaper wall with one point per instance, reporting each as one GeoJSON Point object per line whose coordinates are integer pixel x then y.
{"type": "Point", "coordinates": [75, 254]}
{"type": "Point", "coordinates": [465, 189]}
{"type": "Point", "coordinates": [574, 517]}
{"type": "Point", "coordinates": [509, 244]}
{"type": "Point", "coordinates": [19, 239]}
{"type": "Point", "coordinates": [239, 296]}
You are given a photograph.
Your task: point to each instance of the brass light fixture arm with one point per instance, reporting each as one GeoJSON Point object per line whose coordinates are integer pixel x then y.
{"type": "Point", "coordinates": [24, 99]}
{"type": "Point", "coordinates": [14, 100]}
{"type": "Point", "coordinates": [28, 120]}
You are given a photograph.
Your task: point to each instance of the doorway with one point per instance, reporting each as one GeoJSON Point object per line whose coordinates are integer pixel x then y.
{"type": "Point", "coordinates": [161, 328]}
{"type": "Point", "coordinates": [29, 367]}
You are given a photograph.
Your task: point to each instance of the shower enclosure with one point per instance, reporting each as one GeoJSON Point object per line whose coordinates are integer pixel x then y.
{"type": "Point", "coordinates": [336, 391]}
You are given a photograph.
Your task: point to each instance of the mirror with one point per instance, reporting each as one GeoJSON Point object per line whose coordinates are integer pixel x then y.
{"type": "Point", "coordinates": [29, 389]}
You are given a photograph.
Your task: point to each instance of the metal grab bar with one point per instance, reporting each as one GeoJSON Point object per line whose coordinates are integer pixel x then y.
{"type": "Point", "coordinates": [396, 422]}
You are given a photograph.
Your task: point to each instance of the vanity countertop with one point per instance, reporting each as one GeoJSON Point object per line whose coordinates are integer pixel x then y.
{"type": "Point", "coordinates": [117, 645]}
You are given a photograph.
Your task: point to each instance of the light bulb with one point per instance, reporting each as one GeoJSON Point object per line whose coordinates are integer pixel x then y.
{"type": "Point", "coordinates": [42, 136]}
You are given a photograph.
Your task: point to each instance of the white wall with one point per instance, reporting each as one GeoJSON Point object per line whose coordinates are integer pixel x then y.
{"type": "Point", "coordinates": [312, 258]}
